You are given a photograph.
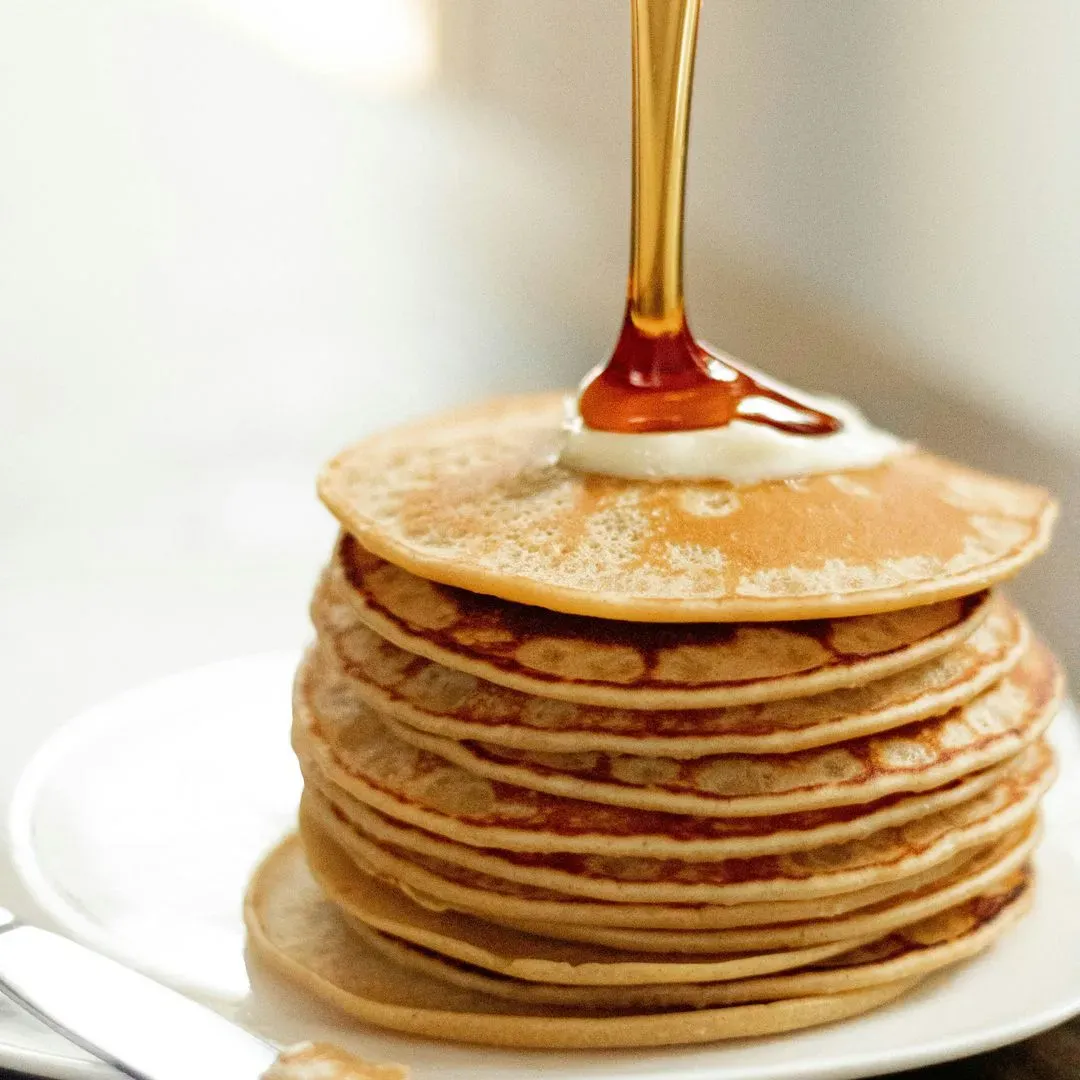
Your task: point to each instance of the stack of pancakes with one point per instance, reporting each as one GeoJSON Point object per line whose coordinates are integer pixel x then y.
{"type": "Point", "coordinates": [597, 762]}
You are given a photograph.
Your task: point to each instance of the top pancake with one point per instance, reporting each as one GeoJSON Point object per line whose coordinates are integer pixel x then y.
{"type": "Point", "coordinates": [475, 499]}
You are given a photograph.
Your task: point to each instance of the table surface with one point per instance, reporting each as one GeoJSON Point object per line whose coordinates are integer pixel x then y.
{"type": "Point", "coordinates": [1054, 1055]}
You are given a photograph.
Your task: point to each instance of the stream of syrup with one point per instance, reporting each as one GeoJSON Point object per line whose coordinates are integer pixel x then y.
{"type": "Point", "coordinates": [660, 378]}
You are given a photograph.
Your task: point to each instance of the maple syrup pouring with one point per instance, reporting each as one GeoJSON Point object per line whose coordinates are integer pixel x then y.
{"type": "Point", "coordinates": [660, 378]}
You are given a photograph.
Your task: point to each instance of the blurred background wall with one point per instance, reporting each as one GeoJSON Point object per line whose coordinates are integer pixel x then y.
{"type": "Point", "coordinates": [236, 233]}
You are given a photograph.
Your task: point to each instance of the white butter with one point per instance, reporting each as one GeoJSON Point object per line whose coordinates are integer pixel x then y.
{"type": "Point", "coordinates": [740, 452]}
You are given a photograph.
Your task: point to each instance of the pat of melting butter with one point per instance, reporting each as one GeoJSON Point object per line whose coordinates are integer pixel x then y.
{"type": "Point", "coordinates": [741, 452]}
{"type": "Point", "coordinates": [319, 1061]}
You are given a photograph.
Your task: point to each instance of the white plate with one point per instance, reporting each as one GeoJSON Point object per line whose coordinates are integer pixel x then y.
{"type": "Point", "coordinates": [137, 825]}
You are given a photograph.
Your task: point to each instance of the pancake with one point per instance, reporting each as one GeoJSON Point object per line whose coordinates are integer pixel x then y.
{"type": "Point", "coordinates": [474, 498]}
{"type": "Point", "coordinates": [971, 877]}
{"type": "Point", "coordinates": [456, 705]}
{"type": "Point", "coordinates": [912, 952]}
{"type": "Point", "coordinates": [483, 814]}
{"type": "Point", "coordinates": [518, 955]}
{"type": "Point", "coordinates": [349, 756]}
{"type": "Point", "coordinates": [886, 855]}
{"type": "Point", "coordinates": [541, 954]}
{"type": "Point", "coordinates": [441, 886]}
{"type": "Point", "coordinates": [300, 935]}
{"type": "Point", "coordinates": [639, 665]}
{"type": "Point", "coordinates": [992, 727]}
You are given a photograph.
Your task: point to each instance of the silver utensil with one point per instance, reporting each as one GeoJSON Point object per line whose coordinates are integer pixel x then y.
{"type": "Point", "coordinates": [126, 1019]}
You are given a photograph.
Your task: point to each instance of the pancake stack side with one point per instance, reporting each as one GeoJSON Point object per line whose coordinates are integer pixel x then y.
{"type": "Point", "coordinates": [529, 824]}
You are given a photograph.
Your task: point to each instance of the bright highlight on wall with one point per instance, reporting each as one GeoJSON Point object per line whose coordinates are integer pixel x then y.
{"type": "Point", "coordinates": [382, 45]}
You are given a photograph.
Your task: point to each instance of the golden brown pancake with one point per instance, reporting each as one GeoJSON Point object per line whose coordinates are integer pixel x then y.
{"type": "Point", "coordinates": [663, 992]}
{"type": "Point", "coordinates": [441, 885]}
{"type": "Point", "coordinates": [913, 951]}
{"type": "Point", "coordinates": [378, 842]}
{"type": "Point", "coordinates": [519, 955]}
{"type": "Point", "coordinates": [635, 833]}
{"type": "Point", "coordinates": [442, 701]}
{"type": "Point", "coordinates": [970, 877]}
{"type": "Point", "coordinates": [475, 498]}
{"type": "Point", "coordinates": [353, 756]}
{"type": "Point", "coordinates": [639, 665]}
{"type": "Point", "coordinates": [544, 954]}
{"type": "Point", "coordinates": [298, 933]}
{"type": "Point", "coordinates": [920, 757]}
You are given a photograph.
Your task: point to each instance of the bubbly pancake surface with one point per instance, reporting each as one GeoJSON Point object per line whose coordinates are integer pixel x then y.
{"type": "Point", "coordinates": [637, 665]}
{"type": "Point", "coordinates": [454, 704]}
{"type": "Point", "coordinates": [475, 499]}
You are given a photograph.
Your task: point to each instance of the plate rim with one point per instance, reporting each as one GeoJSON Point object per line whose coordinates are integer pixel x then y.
{"type": "Point", "coordinates": [83, 727]}
{"type": "Point", "coordinates": [91, 722]}
{"type": "Point", "coordinates": [53, 1066]}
